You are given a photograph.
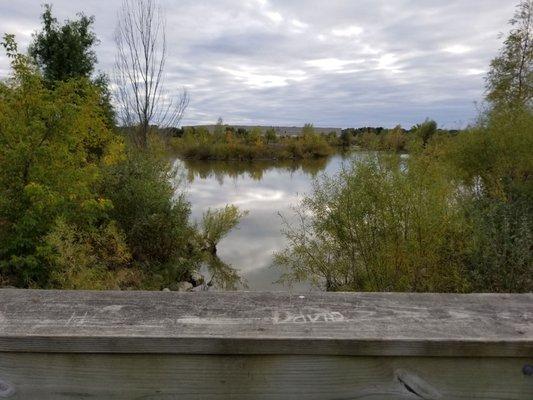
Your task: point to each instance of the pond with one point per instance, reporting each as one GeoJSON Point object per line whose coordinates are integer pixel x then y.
{"type": "Point", "coordinates": [265, 189]}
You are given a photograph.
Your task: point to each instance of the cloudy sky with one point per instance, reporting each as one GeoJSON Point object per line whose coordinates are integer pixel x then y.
{"type": "Point", "coordinates": [330, 62]}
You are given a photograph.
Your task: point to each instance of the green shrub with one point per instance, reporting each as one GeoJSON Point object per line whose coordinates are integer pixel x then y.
{"type": "Point", "coordinates": [379, 227]}
{"type": "Point", "coordinates": [214, 226]}
{"type": "Point", "coordinates": [89, 257]}
{"type": "Point", "coordinates": [496, 156]}
{"type": "Point", "coordinates": [218, 223]}
{"type": "Point", "coordinates": [501, 256]}
{"type": "Point", "coordinates": [155, 222]}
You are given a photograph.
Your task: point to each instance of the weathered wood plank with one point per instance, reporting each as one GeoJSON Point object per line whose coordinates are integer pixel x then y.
{"type": "Point", "coordinates": [363, 324]}
{"type": "Point", "coordinates": [152, 345]}
{"type": "Point", "coordinates": [118, 376]}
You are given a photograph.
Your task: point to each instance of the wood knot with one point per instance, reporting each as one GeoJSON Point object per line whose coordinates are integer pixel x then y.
{"type": "Point", "coordinates": [527, 370]}
{"type": "Point", "coordinates": [6, 389]}
{"type": "Point", "coordinates": [417, 386]}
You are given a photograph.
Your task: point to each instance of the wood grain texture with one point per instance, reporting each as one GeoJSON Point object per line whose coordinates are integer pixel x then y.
{"type": "Point", "coordinates": [245, 323]}
{"type": "Point", "coordinates": [164, 377]}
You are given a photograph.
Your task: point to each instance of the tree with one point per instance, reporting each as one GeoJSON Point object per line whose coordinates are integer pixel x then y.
{"type": "Point", "coordinates": [141, 54]}
{"type": "Point", "coordinates": [271, 135]}
{"type": "Point", "coordinates": [255, 136]}
{"type": "Point", "coordinates": [79, 209]}
{"type": "Point", "coordinates": [493, 160]}
{"type": "Point", "coordinates": [219, 129]}
{"type": "Point", "coordinates": [64, 51]}
{"type": "Point", "coordinates": [308, 130]}
{"type": "Point", "coordinates": [242, 133]}
{"type": "Point", "coordinates": [347, 137]}
{"type": "Point", "coordinates": [395, 139]}
{"type": "Point", "coordinates": [52, 141]}
{"type": "Point", "coordinates": [426, 130]}
{"type": "Point", "coordinates": [510, 79]}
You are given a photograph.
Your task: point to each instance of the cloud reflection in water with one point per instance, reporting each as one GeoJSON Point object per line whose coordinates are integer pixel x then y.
{"type": "Point", "coordinates": [265, 189]}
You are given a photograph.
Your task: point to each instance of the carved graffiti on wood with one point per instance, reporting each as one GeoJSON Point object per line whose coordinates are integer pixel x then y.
{"type": "Point", "coordinates": [287, 317]}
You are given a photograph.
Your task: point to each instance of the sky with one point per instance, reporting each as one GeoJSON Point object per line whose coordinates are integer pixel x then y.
{"type": "Point", "coordinates": [333, 63]}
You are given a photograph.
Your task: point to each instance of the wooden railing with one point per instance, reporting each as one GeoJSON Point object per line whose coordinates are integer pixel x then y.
{"type": "Point", "coordinates": [242, 345]}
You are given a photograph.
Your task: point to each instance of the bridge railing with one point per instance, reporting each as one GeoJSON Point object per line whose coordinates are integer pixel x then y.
{"type": "Point", "coordinates": [245, 345]}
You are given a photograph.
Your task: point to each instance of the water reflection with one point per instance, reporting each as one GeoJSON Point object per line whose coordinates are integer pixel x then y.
{"type": "Point", "coordinates": [255, 170]}
{"type": "Point", "coordinates": [263, 188]}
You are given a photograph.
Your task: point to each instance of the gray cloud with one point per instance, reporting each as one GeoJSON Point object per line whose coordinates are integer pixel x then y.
{"type": "Point", "coordinates": [334, 63]}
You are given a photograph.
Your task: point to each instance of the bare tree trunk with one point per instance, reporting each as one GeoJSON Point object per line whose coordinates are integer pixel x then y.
{"type": "Point", "coordinates": [139, 65]}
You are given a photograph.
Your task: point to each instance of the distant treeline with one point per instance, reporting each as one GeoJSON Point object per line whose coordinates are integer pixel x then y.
{"type": "Point", "coordinates": [224, 142]}
{"type": "Point", "coordinates": [279, 130]}
{"type": "Point", "coordinates": [395, 139]}
{"type": "Point", "coordinates": [290, 131]}
{"type": "Point", "coordinates": [227, 143]}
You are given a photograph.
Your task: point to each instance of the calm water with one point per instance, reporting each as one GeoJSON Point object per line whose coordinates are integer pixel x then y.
{"type": "Point", "coordinates": [264, 189]}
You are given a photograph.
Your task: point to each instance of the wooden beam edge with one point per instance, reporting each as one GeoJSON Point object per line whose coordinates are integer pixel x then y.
{"type": "Point", "coordinates": [266, 346]}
